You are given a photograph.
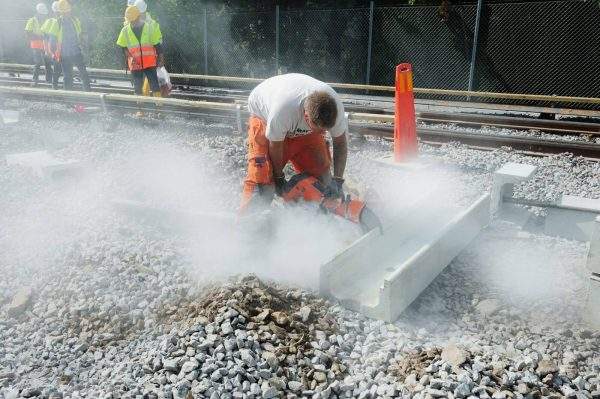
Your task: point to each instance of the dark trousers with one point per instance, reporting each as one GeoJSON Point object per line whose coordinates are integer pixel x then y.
{"type": "Point", "coordinates": [57, 71]}
{"type": "Point", "coordinates": [138, 80]}
{"type": "Point", "coordinates": [40, 59]}
{"type": "Point", "coordinates": [67, 63]}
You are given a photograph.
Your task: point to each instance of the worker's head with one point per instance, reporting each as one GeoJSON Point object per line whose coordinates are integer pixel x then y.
{"type": "Point", "coordinates": [55, 7]}
{"type": "Point", "coordinates": [41, 9]}
{"type": "Point", "coordinates": [141, 5]}
{"type": "Point", "coordinates": [132, 14]}
{"type": "Point", "coordinates": [320, 111]}
{"type": "Point", "coordinates": [64, 7]}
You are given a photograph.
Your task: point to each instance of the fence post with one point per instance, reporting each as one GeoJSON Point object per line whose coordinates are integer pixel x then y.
{"type": "Point", "coordinates": [370, 44]}
{"type": "Point", "coordinates": [1, 47]}
{"type": "Point", "coordinates": [474, 49]}
{"type": "Point", "coordinates": [277, 39]}
{"type": "Point", "coordinates": [205, 42]}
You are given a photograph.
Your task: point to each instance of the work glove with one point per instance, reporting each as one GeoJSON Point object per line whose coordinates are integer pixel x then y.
{"type": "Point", "coordinates": [280, 184]}
{"type": "Point", "coordinates": [336, 188]}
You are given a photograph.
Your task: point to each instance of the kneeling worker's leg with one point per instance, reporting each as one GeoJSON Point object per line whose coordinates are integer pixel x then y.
{"type": "Point", "coordinates": [310, 154]}
{"type": "Point", "coordinates": [258, 186]}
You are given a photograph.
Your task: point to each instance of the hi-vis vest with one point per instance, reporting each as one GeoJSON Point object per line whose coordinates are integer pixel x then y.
{"type": "Point", "coordinates": [33, 26]}
{"type": "Point", "coordinates": [46, 26]}
{"type": "Point", "coordinates": [141, 53]}
{"type": "Point", "coordinates": [56, 30]}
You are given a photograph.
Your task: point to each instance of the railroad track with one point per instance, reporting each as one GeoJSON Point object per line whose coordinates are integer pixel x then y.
{"type": "Point", "coordinates": [384, 107]}
{"type": "Point", "coordinates": [360, 123]}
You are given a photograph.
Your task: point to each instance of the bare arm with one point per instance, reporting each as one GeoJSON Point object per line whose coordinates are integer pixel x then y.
{"type": "Point", "coordinates": [340, 154]}
{"type": "Point", "coordinates": [276, 155]}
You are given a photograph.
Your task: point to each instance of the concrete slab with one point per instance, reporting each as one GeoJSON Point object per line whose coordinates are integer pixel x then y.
{"type": "Point", "coordinates": [580, 203]}
{"type": "Point", "coordinates": [572, 224]}
{"type": "Point", "coordinates": [9, 117]}
{"type": "Point", "coordinates": [44, 164]}
{"type": "Point", "coordinates": [411, 166]}
{"type": "Point", "coordinates": [504, 180]}
{"type": "Point", "coordinates": [381, 274]}
{"type": "Point", "coordinates": [593, 255]}
{"type": "Point", "coordinates": [592, 307]}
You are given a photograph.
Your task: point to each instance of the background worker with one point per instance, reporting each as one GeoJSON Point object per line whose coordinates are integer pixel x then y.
{"type": "Point", "coordinates": [141, 44]}
{"type": "Point", "coordinates": [65, 43]}
{"type": "Point", "coordinates": [290, 115]}
{"type": "Point", "coordinates": [146, 17]}
{"type": "Point", "coordinates": [35, 36]}
{"type": "Point", "coordinates": [46, 27]}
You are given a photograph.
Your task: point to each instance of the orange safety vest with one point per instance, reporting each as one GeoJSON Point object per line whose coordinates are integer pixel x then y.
{"type": "Point", "coordinates": [37, 44]}
{"type": "Point", "coordinates": [141, 53]}
{"type": "Point", "coordinates": [33, 27]}
{"type": "Point", "coordinates": [141, 57]}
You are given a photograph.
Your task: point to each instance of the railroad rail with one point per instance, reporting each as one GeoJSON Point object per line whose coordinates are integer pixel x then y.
{"type": "Point", "coordinates": [557, 127]}
{"type": "Point", "coordinates": [360, 123]}
{"type": "Point", "coordinates": [349, 86]}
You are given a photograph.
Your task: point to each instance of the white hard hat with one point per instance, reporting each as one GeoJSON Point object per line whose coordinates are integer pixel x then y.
{"type": "Point", "coordinates": [130, 2]}
{"type": "Point", "coordinates": [41, 9]}
{"type": "Point", "coordinates": [55, 6]}
{"type": "Point", "coordinates": [141, 5]}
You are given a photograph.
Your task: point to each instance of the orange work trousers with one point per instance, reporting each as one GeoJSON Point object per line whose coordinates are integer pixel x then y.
{"type": "Point", "coordinates": [308, 154]}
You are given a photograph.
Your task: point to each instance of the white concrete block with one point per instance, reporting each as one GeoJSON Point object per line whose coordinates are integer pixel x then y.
{"type": "Point", "coordinates": [580, 203]}
{"type": "Point", "coordinates": [516, 171]}
{"type": "Point", "coordinates": [9, 117]}
{"type": "Point", "coordinates": [569, 223]}
{"type": "Point", "coordinates": [44, 164]}
{"type": "Point", "coordinates": [504, 180]}
{"type": "Point", "coordinates": [592, 307]}
{"type": "Point", "coordinates": [593, 255]}
{"type": "Point", "coordinates": [381, 274]}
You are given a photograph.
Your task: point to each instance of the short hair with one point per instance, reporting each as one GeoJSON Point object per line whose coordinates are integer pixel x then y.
{"type": "Point", "coordinates": [321, 109]}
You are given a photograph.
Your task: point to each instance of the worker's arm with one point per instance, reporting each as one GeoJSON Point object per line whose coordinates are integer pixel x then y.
{"type": "Point", "coordinates": [276, 155]}
{"type": "Point", "coordinates": [277, 162]}
{"type": "Point", "coordinates": [340, 154]}
{"type": "Point", "coordinates": [160, 55]}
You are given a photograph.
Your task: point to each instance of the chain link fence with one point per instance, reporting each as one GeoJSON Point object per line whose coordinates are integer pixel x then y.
{"type": "Point", "coordinates": [546, 47]}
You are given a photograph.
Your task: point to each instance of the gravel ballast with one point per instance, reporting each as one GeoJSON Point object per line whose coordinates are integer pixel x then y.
{"type": "Point", "coordinates": [96, 304]}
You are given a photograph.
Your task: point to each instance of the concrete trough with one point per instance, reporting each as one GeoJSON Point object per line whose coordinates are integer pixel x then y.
{"type": "Point", "coordinates": [593, 254]}
{"type": "Point", "coordinates": [380, 275]}
{"type": "Point", "coordinates": [45, 165]}
{"type": "Point", "coordinates": [592, 308]}
{"type": "Point", "coordinates": [573, 218]}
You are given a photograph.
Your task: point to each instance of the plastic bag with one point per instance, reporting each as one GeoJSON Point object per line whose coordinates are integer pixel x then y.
{"type": "Point", "coordinates": [164, 81]}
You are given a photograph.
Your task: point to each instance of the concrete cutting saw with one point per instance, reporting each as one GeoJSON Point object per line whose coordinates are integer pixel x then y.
{"type": "Point", "coordinates": [310, 190]}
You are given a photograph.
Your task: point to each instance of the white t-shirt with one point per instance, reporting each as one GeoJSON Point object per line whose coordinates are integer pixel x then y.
{"type": "Point", "coordinates": [280, 102]}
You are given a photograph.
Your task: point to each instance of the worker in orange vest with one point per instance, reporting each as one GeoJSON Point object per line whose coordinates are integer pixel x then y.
{"type": "Point", "coordinates": [35, 35]}
{"type": "Point", "coordinates": [46, 27]}
{"type": "Point", "coordinates": [141, 44]}
{"type": "Point", "coordinates": [65, 44]}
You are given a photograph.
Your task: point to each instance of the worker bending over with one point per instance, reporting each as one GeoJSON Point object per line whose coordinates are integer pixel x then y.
{"type": "Point", "coordinates": [290, 115]}
{"type": "Point", "coordinates": [35, 35]}
{"type": "Point", "coordinates": [65, 43]}
{"type": "Point", "coordinates": [141, 44]}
